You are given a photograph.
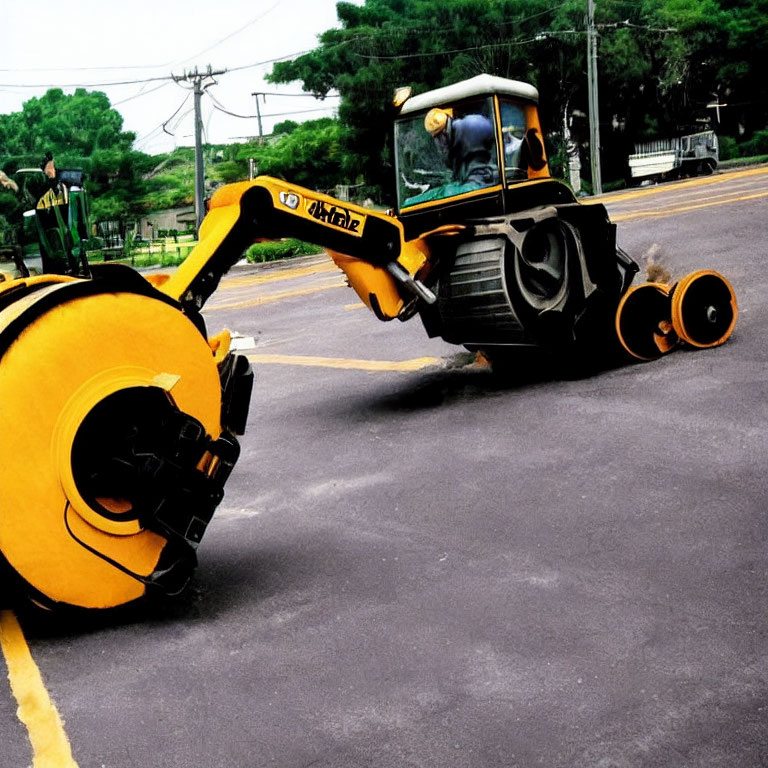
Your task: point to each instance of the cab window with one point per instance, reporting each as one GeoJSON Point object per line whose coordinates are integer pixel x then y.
{"type": "Point", "coordinates": [446, 152]}
{"type": "Point", "coordinates": [513, 126]}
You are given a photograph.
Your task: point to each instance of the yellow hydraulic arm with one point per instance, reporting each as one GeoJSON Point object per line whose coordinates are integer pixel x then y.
{"type": "Point", "coordinates": [119, 416]}
{"type": "Point", "coordinates": [384, 269]}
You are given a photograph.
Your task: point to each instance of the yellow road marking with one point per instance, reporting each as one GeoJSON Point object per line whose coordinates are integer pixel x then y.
{"type": "Point", "coordinates": [683, 208]}
{"type": "Point", "coordinates": [359, 305]}
{"type": "Point", "coordinates": [701, 194]}
{"type": "Point", "coordinates": [340, 362]}
{"type": "Point", "coordinates": [287, 274]}
{"type": "Point", "coordinates": [658, 190]}
{"type": "Point", "coordinates": [723, 196]}
{"type": "Point", "coordinates": [277, 296]}
{"type": "Point", "coordinates": [50, 746]}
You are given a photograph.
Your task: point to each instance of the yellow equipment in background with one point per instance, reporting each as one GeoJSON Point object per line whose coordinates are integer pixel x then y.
{"type": "Point", "coordinates": [119, 416]}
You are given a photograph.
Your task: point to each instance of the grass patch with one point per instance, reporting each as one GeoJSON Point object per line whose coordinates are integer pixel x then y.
{"type": "Point", "coordinates": [740, 162]}
{"type": "Point", "coordinates": [140, 260]}
{"type": "Point", "coordinates": [156, 259]}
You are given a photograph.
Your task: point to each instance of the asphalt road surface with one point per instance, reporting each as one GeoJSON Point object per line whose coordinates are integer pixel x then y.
{"type": "Point", "coordinates": [417, 565]}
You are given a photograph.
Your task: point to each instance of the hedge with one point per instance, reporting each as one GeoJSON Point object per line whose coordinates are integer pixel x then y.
{"type": "Point", "coordinates": [280, 249]}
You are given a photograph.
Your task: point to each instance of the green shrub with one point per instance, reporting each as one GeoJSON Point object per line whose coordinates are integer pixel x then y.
{"type": "Point", "coordinates": [757, 145]}
{"type": "Point", "coordinates": [280, 249]}
{"type": "Point", "coordinates": [728, 147]}
{"type": "Point", "coordinates": [144, 260]}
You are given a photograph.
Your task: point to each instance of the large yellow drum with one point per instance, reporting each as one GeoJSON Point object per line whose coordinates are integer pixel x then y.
{"type": "Point", "coordinates": [112, 452]}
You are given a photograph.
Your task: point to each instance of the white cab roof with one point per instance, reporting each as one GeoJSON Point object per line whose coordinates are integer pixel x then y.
{"type": "Point", "coordinates": [481, 85]}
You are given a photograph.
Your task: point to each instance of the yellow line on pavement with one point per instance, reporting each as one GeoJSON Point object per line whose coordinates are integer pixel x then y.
{"type": "Point", "coordinates": [350, 364]}
{"type": "Point", "coordinates": [277, 296]}
{"type": "Point", "coordinates": [50, 746]}
{"type": "Point", "coordinates": [702, 181]}
{"type": "Point", "coordinates": [726, 195]}
{"type": "Point", "coordinates": [683, 208]}
{"type": "Point", "coordinates": [282, 274]}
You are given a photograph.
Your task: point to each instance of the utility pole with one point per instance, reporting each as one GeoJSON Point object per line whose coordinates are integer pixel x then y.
{"type": "Point", "coordinates": [258, 115]}
{"type": "Point", "coordinates": [594, 110]}
{"type": "Point", "coordinates": [199, 159]}
{"type": "Point", "coordinates": [197, 81]}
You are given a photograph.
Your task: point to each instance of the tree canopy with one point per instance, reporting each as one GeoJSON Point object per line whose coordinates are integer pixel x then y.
{"type": "Point", "coordinates": [310, 154]}
{"type": "Point", "coordinates": [81, 130]}
{"type": "Point", "coordinates": [69, 126]}
{"type": "Point", "coordinates": [661, 62]}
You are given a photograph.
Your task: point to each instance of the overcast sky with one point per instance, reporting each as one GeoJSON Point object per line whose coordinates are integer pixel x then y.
{"type": "Point", "coordinates": [96, 42]}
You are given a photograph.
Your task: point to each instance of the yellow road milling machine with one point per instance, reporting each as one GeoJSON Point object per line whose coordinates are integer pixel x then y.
{"type": "Point", "coordinates": [119, 415]}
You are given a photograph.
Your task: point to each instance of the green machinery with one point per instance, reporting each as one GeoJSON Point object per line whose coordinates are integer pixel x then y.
{"type": "Point", "coordinates": [50, 240]}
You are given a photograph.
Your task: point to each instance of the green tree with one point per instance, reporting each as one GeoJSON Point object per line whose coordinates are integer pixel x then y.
{"type": "Point", "coordinates": [82, 130]}
{"type": "Point", "coordinates": [286, 126]}
{"type": "Point", "coordinates": [311, 155]}
{"type": "Point", "coordinates": [229, 171]}
{"type": "Point", "coordinates": [660, 63]}
{"type": "Point", "coordinates": [68, 125]}
{"type": "Point", "coordinates": [169, 182]}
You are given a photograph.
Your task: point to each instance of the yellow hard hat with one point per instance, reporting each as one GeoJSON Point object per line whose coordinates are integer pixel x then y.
{"type": "Point", "coordinates": [436, 120]}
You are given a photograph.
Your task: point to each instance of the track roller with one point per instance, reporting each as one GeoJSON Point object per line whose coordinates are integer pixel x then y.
{"type": "Point", "coordinates": [704, 309]}
{"type": "Point", "coordinates": [643, 322]}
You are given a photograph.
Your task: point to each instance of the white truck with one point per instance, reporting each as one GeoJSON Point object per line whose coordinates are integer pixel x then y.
{"type": "Point", "coordinates": [661, 159]}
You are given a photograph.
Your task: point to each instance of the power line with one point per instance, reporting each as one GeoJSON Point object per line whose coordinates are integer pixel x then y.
{"type": "Point", "coordinates": [142, 92]}
{"type": "Point", "coordinates": [272, 61]}
{"type": "Point", "coordinates": [221, 108]}
{"type": "Point", "coordinates": [139, 66]}
{"type": "Point", "coordinates": [178, 109]}
{"type": "Point", "coordinates": [275, 114]}
{"type": "Point", "coordinates": [142, 141]}
{"type": "Point", "coordinates": [308, 95]}
{"type": "Point", "coordinates": [87, 85]}
{"type": "Point", "coordinates": [138, 81]}
{"type": "Point", "coordinates": [507, 44]}
{"type": "Point", "coordinates": [231, 35]}
{"type": "Point", "coordinates": [85, 69]}
{"type": "Point", "coordinates": [627, 24]}
{"type": "Point", "coordinates": [161, 128]}
{"type": "Point", "coordinates": [537, 37]}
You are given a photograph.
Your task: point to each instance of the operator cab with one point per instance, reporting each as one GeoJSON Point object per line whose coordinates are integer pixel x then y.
{"type": "Point", "coordinates": [53, 237]}
{"type": "Point", "coordinates": [461, 150]}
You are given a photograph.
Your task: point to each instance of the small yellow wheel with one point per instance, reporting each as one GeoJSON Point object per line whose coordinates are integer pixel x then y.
{"type": "Point", "coordinates": [704, 309]}
{"type": "Point", "coordinates": [643, 321]}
